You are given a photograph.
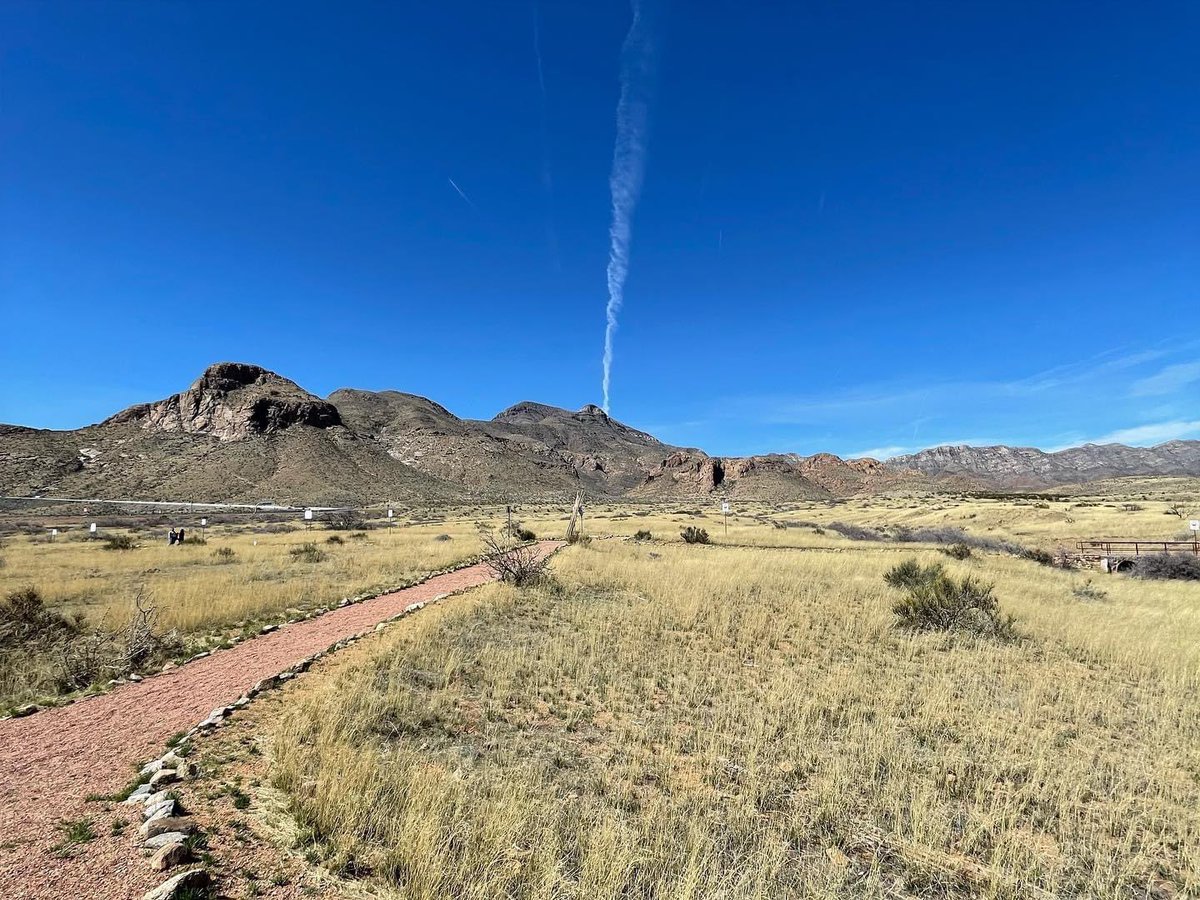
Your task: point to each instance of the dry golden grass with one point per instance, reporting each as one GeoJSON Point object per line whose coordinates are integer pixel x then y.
{"type": "Point", "coordinates": [203, 595]}
{"type": "Point", "coordinates": [684, 722]}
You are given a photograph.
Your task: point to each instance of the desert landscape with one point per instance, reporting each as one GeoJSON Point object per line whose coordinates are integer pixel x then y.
{"type": "Point", "coordinates": [623, 450]}
{"type": "Point", "coordinates": [757, 677]}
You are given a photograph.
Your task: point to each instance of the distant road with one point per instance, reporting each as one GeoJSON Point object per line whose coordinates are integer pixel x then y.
{"type": "Point", "coordinates": [260, 507]}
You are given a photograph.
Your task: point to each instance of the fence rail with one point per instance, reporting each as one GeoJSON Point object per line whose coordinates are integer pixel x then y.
{"type": "Point", "coordinates": [1136, 548]}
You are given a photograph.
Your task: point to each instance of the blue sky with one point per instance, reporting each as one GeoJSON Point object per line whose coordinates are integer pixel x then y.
{"type": "Point", "coordinates": [862, 227]}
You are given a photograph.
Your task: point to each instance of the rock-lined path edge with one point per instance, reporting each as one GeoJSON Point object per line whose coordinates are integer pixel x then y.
{"type": "Point", "coordinates": [50, 763]}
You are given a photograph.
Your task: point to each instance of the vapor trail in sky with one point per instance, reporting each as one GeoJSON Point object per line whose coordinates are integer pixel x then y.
{"type": "Point", "coordinates": [628, 169]}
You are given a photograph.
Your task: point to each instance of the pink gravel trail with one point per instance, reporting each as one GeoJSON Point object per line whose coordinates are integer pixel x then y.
{"type": "Point", "coordinates": [51, 761]}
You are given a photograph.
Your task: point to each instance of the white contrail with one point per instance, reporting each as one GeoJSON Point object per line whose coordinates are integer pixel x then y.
{"type": "Point", "coordinates": [462, 193]}
{"type": "Point", "coordinates": [628, 168]}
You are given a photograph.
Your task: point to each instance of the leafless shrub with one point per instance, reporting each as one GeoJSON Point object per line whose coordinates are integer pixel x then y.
{"type": "Point", "coordinates": [86, 659]}
{"type": "Point", "coordinates": [345, 520]}
{"type": "Point", "coordinates": [519, 564]}
{"type": "Point", "coordinates": [1176, 566]}
{"type": "Point", "coordinates": [1176, 509]}
{"type": "Point", "coordinates": [141, 637]}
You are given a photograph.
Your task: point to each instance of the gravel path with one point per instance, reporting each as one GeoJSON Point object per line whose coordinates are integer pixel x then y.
{"type": "Point", "coordinates": [51, 761]}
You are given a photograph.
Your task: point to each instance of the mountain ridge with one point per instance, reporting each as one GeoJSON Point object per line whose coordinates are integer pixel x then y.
{"type": "Point", "coordinates": [243, 432]}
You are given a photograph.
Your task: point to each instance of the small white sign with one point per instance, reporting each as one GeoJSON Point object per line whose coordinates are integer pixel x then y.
{"type": "Point", "coordinates": [725, 507]}
{"type": "Point", "coordinates": [92, 528]}
{"type": "Point", "coordinates": [53, 532]}
{"type": "Point", "coordinates": [308, 514]}
{"type": "Point", "coordinates": [204, 523]}
{"type": "Point", "coordinates": [391, 513]}
{"type": "Point", "coordinates": [1195, 524]}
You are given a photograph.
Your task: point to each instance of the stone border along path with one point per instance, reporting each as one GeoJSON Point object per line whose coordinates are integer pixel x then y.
{"type": "Point", "coordinates": [52, 763]}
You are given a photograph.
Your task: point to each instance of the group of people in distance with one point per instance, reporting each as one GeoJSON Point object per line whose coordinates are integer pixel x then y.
{"type": "Point", "coordinates": [175, 537]}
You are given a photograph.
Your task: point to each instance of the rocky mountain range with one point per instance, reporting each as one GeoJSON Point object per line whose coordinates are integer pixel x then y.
{"type": "Point", "coordinates": [1027, 467]}
{"type": "Point", "coordinates": [242, 433]}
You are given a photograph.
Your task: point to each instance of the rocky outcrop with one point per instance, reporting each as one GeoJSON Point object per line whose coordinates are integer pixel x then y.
{"type": "Point", "coordinates": [231, 401]}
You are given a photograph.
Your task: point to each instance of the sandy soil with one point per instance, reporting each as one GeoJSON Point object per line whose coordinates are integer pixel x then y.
{"type": "Point", "coordinates": [52, 761]}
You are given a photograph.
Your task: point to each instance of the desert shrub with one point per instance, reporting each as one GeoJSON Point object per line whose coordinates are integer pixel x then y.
{"type": "Point", "coordinates": [345, 520]}
{"type": "Point", "coordinates": [937, 602]}
{"type": "Point", "coordinates": [443, 537]}
{"type": "Point", "coordinates": [1132, 507]}
{"type": "Point", "coordinates": [856, 532]}
{"type": "Point", "coordinates": [694, 535]}
{"type": "Point", "coordinates": [518, 564]}
{"type": "Point", "coordinates": [24, 618]}
{"type": "Point", "coordinates": [957, 551]}
{"type": "Point", "coordinates": [910, 574]}
{"type": "Point", "coordinates": [524, 534]}
{"type": "Point", "coordinates": [224, 554]}
{"type": "Point", "coordinates": [1042, 557]}
{"type": "Point", "coordinates": [307, 552]}
{"type": "Point", "coordinates": [1089, 592]}
{"type": "Point", "coordinates": [579, 538]}
{"type": "Point", "coordinates": [197, 540]}
{"type": "Point", "coordinates": [334, 539]}
{"type": "Point", "coordinates": [1175, 566]}
{"type": "Point", "coordinates": [120, 542]}
{"type": "Point", "coordinates": [358, 536]}
{"type": "Point", "coordinates": [642, 535]}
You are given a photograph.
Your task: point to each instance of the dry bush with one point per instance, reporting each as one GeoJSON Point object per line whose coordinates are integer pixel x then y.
{"type": "Point", "coordinates": [120, 542]}
{"type": "Point", "coordinates": [694, 535]}
{"type": "Point", "coordinates": [307, 552]}
{"type": "Point", "coordinates": [519, 564]}
{"type": "Point", "coordinates": [1174, 566]}
{"type": "Point", "coordinates": [935, 601]}
{"type": "Point", "coordinates": [346, 520]}
{"type": "Point", "coordinates": [958, 551]}
{"type": "Point", "coordinates": [24, 619]}
{"type": "Point", "coordinates": [642, 535]}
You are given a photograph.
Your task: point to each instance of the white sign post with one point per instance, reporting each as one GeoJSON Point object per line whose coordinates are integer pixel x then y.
{"type": "Point", "coordinates": [725, 515]}
{"type": "Point", "coordinates": [53, 533]}
{"type": "Point", "coordinates": [1195, 524]}
{"type": "Point", "coordinates": [308, 519]}
{"type": "Point", "coordinates": [92, 528]}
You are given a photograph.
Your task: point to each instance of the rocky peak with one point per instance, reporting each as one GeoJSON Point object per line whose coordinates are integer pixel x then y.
{"type": "Point", "coordinates": [231, 401]}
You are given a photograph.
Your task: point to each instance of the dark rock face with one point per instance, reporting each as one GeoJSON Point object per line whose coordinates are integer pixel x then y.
{"type": "Point", "coordinates": [231, 401]}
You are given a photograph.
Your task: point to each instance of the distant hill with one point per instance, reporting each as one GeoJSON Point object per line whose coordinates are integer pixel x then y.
{"type": "Point", "coordinates": [242, 433]}
{"type": "Point", "coordinates": [1028, 467]}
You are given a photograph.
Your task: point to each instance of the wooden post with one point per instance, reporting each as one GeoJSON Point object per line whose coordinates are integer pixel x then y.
{"type": "Point", "coordinates": [576, 516]}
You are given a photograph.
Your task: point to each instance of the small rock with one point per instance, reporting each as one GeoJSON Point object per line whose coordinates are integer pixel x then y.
{"type": "Point", "coordinates": [27, 710]}
{"type": "Point", "coordinates": [163, 776]}
{"type": "Point", "coordinates": [155, 798]}
{"type": "Point", "coordinates": [285, 676]}
{"type": "Point", "coordinates": [199, 656]}
{"type": "Point", "coordinates": [170, 856]}
{"type": "Point", "coordinates": [166, 825]}
{"type": "Point", "coordinates": [241, 702]}
{"type": "Point", "coordinates": [139, 794]}
{"type": "Point", "coordinates": [381, 626]}
{"type": "Point", "coordinates": [151, 767]}
{"type": "Point", "coordinates": [171, 760]}
{"type": "Point", "coordinates": [135, 678]}
{"type": "Point", "coordinates": [163, 810]}
{"type": "Point", "coordinates": [267, 629]}
{"type": "Point", "coordinates": [168, 667]}
{"type": "Point", "coordinates": [413, 607]}
{"type": "Point", "coordinates": [190, 881]}
{"type": "Point", "coordinates": [166, 838]}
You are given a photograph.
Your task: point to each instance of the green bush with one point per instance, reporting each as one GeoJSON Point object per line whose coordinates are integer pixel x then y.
{"type": "Point", "coordinates": [935, 601]}
{"type": "Point", "coordinates": [910, 574]}
{"type": "Point", "coordinates": [524, 534]}
{"type": "Point", "coordinates": [694, 535]}
{"type": "Point", "coordinates": [120, 542]}
{"type": "Point", "coordinates": [334, 539]}
{"type": "Point", "coordinates": [958, 551]}
{"type": "Point", "coordinates": [24, 618]}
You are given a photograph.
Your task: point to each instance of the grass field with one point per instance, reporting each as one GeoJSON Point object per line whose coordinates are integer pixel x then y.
{"type": "Point", "coordinates": [207, 593]}
{"type": "Point", "coordinates": [664, 721]}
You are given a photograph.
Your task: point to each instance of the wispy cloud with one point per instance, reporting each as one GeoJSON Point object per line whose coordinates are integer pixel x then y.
{"type": "Point", "coordinates": [628, 170]}
{"type": "Point", "coordinates": [882, 452]}
{"type": "Point", "coordinates": [1148, 435]}
{"type": "Point", "coordinates": [1167, 381]}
